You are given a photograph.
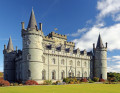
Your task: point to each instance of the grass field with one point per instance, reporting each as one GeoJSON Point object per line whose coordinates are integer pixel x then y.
{"type": "Point", "coordinates": [81, 88]}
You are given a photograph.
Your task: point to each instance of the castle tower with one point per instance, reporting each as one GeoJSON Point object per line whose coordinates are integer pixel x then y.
{"type": "Point", "coordinates": [32, 65]}
{"type": "Point", "coordinates": [100, 59]}
{"type": "Point", "coordinates": [9, 61]}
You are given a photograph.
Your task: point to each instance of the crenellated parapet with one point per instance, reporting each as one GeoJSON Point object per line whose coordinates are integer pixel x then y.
{"type": "Point", "coordinates": [46, 38]}
{"type": "Point", "coordinates": [69, 43]}
{"type": "Point", "coordinates": [53, 34]}
{"type": "Point", "coordinates": [26, 32]}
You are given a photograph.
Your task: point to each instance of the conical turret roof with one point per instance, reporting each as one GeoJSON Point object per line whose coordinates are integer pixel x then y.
{"type": "Point", "coordinates": [32, 21]}
{"type": "Point", "coordinates": [10, 45]}
{"type": "Point", "coordinates": [99, 42]}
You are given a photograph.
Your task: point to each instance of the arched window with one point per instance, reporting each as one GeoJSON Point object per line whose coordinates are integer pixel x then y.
{"type": "Point", "coordinates": [62, 62]}
{"type": "Point", "coordinates": [78, 74]}
{"type": "Point", "coordinates": [43, 75]}
{"type": "Point", "coordinates": [71, 63]}
{"type": "Point", "coordinates": [28, 57]}
{"type": "Point", "coordinates": [62, 74]}
{"type": "Point", "coordinates": [53, 61]}
{"type": "Point", "coordinates": [29, 73]}
{"type": "Point", "coordinates": [85, 74]}
{"type": "Point", "coordinates": [53, 75]}
{"type": "Point", "coordinates": [78, 63]}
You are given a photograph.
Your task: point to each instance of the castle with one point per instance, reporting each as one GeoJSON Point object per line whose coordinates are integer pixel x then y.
{"type": "Point", "coordinates": [51, 57]}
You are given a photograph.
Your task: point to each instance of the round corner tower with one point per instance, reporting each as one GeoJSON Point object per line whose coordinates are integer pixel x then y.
{"type": "Point", "coordinates": [32, 65]}
{"type": "Point", "coordinates": [9, 62]}
{"type": "Point", "coordinates": [100, 60]}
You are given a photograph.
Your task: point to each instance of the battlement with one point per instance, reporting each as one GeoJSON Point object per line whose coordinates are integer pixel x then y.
{"type": "Point", "coordinates": [70, 43]}
{"type": "Point", "coordinates": [53, 34]}
{"type": "Point", "coordinates": [26, 32]}
{"type": "Point", "coordinates": [48, 38]}
{"type": "Point", "coordinates": [101, 49]}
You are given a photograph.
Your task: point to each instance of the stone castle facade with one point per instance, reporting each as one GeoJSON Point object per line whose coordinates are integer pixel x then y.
{"type": "Point", "coordinates": [51, 57]}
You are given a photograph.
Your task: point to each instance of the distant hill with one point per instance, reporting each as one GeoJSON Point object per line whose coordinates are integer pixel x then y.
{"type": "Point", "coordinates": [1, 74]}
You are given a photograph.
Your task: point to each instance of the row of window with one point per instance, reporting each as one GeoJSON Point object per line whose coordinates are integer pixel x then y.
{"type": "Point", "coordinates": [62, 61]}
{"type": "Point", "coordinates": [71, 74]}
{"type": "Point", "coordinates": [70, 63]}
{"type": "Point", "coordinates": [63, 52]}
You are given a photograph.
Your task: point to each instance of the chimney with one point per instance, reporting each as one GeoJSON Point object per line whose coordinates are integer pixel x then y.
{"type": "Point", "coordinates": [22, 25]}
{"type": "Point", "coordinates": [4, 46]}
{"type": "Point", "coordinates": [16, 48]}
{"type": "Point", "coordinates": [93, 45]}
{"type": "Point", "coordinates": [106, 44]}
{"type": "Point", "coordinates": [40, 24]}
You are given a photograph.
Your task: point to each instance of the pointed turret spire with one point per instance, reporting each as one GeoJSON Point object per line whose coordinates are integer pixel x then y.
{"type": "Point", "coordinates": [99, 42]}
{"type": "Point", "coordinates": [10, 45]}
{"type": "Point", "coordinates": [32, 21]}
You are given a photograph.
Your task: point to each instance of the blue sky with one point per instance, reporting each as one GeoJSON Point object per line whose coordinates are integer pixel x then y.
{"type": "Point", "coordinates": [80, 20]}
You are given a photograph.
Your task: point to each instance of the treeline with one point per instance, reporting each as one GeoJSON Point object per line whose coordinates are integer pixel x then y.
{"type": "Point", "coordinates": [113, 77]}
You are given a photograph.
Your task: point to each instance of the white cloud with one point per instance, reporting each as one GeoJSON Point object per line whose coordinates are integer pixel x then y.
{"type": "Point", "coordinates": [109, 34]}
{"type": "Point", "coordinates": [111, 69]}
{"type": "Point", "coordinates": [113, 64]}
{"type": "Point", "coordinates": [108, 8]}
{"type": "Point", "coordinates": [114, 68]}
{"type": "Point", "coordinates": [78, 32]}
{"type": "Point", "coordinates": [116, 17]}
{"type": "Point", "coordinates": [89, 21]}
{"type": "Point", "coordinates": [116, 58]}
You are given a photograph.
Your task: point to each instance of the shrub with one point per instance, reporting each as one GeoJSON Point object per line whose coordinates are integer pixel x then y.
{"type": "Point", "coordinates": [77, 82]}
{"type": "Point", "coordinates": [90, 81]}
{"type": "Point", "coordinates": [15, 84]}
{"type": "Point", "coordinates": [84, 80]}
{"type": "Point", "coordinates": [11, 84]}
{"type": "Point", "coordinates": [96, 79]}
{"type": "Point", "coordinates": [31, 82]}
{"type": "Point", "coordinates": [1, 78]}
{"type": "Point", "coordinates": [102, 80]}
{"type": "Point", "coordinates": [71, 82]}
{"type": "Point", "coordinates": [4, 83]}
{"type": "Point", "coordinates": [20, 84]}
{"type": "Point", "coordinates": [47, 82]}
{"type": "Point", "coordinates": [66, 80]}
{"type": "Point", "coordinates": [57, 82]}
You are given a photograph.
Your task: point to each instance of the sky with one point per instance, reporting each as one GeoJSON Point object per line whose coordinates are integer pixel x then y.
{"type": "Point", "coordinates": [80, 20]}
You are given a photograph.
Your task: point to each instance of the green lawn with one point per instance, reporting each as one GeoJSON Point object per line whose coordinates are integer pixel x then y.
{"type": "Point", "coordinates": [81, 88]}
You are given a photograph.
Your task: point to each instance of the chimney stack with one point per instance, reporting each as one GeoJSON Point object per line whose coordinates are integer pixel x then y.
{"type": "Point", "coordinates": [93, 45]}
{"type": "Point", "coordinates": [4, 46]}
{"type": "Point", "coordinates": [40, 24]}
{"type": "Point", "coordinates": [106, 44]}
{"type": "Point", "coordinates": [22, 25]}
